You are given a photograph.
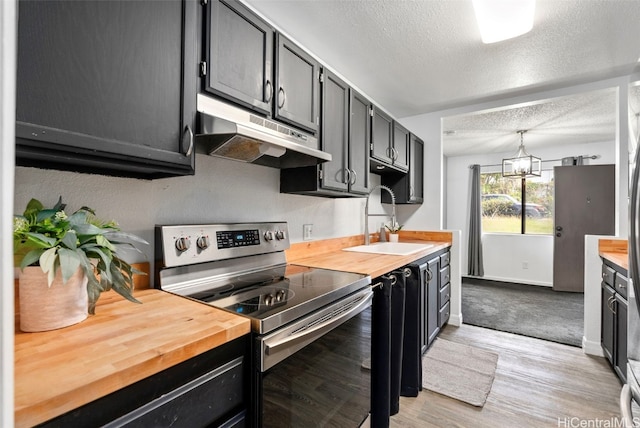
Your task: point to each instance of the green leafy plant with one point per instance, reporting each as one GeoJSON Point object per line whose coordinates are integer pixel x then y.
{"type": "Point", "coordinates": [394, 227]}
{"type": "Point", "coordinates": [53, 240]}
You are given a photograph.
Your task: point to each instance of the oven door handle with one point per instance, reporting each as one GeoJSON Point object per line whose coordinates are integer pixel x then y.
{"type": "Point", "coordinates": [320, 328]}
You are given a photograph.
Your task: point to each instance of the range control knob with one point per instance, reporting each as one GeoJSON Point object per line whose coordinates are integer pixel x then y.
{"type": "Point", "coordinates": [183, 243]}
{"type": "Point", "coordinates": [281, 295]}
{"type": "Point", "coordinates": [203, 242]}
{"type": "Point", "coordinates": [279, 234]}
{"type": "Point", "coordinates": [268, 299]}
{"type": "Point", "coordinates": [268, 235]}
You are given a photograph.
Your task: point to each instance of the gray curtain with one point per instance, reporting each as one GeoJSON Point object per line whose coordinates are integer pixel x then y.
{"type": "Point", "coordinates": [476, 267]}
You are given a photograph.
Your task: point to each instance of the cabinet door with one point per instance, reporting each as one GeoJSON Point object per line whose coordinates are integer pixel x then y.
{"type": "Point", "coordinates": [239, 55]}
{"type": "Point", "coordinates": [400, 151]}
{"type": "Point", "coordinates": [416, 170]}
{"type": "Point", "coordinates": [620, 354]}
{"type": "Point", "coordinates": [381, 136]}
{"type": "Point", "coordinates": [608, 321]}
{"type": "Point", "coordinates": [102, 86]}
{"type": "Point", "coordinates": [433, 308]}
{"type": "Point", "coordinates": [359, 140]}
{"type": "Point", "coordinates": [334, 131]}
{"type": "Point", "coordinates": [297, 80]}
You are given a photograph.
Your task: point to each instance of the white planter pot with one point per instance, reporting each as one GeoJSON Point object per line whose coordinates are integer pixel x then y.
{"type": "Point", "coordinates": [393, 237]}
{"type": "Point", "coordinates": [45, 308]}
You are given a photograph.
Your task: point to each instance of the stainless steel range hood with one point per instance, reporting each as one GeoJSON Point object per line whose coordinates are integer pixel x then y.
{"type": "Point", "coordinates": [231, 132]}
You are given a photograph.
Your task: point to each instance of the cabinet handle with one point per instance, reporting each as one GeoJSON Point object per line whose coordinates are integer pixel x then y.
{"type": "Point", "coordinates": [187, 134]}
{"type": "Point", "coordinates": [270, 87]}
{"type": "Point", "coordinates": [406, 272]}
{"type": "Point", "coordinates": [429, 275]}
{"type": "Point", "coordinates": [348, 176]}
{"type": "Point", "coordinates": [355, 177]}
{"type": "Point", "coordinates": [410, 191]}
{"type": "Point", "coordinates": [281, 99]}
{"type": "Point", "coordinates": [394, 154]}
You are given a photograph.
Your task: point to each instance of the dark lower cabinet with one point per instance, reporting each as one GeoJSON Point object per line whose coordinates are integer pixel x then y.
{"type": "Point", "coordinates": [209, 390]}
{"type": "Point", "coordinates": [614, 318]}
{"type": "Point", "coordinates": [434, 297]}
{"type": "Point", "coordinates": [107, 87]}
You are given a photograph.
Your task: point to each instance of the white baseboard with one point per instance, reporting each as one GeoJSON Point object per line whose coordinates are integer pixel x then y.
{"type": "Point", "coordinates": [511, 280]}
{"type": "Point", "coordinates": [455, 320]}
{"type": "Point", "coordinates": [591, 347]}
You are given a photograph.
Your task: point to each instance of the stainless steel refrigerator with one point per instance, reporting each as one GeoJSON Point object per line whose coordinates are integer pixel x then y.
{"type": "Point", "coordinates": [631, 391]}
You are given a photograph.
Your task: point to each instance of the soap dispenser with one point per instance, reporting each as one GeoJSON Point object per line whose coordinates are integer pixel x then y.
{"type": "Point", "coordinates": [383, 233]}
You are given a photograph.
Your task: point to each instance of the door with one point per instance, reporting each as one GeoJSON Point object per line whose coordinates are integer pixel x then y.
{"type": "Point", "coordinates": [297, 81]}
{"type": "Point", "coordinates": [359, 138]}
{"type": "Point", "coordinates": [237, 40]}
{"type": "Point", "coordinates": [584, 205]}
{"type": "Point", "coordinates": [334, 131]}
{"type": "Point", "coordinates": [400, 151]}
{"type": "Point", "coordinates": [382, 136]}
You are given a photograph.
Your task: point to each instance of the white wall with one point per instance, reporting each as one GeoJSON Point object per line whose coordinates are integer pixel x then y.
{"type": "Point", "coordinates": [221, 191]}
{"type": "Point", "coordinates": [7, 148]}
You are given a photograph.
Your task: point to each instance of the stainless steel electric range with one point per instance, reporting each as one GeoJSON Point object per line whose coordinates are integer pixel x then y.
{"type": "Point", "coordinates": [310, 327]}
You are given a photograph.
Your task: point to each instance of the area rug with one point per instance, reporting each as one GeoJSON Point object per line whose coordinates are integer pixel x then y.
{"type": "Point", "coordinates": [528, 310]}
{"type": "Point", "coordinates": [459, 371]}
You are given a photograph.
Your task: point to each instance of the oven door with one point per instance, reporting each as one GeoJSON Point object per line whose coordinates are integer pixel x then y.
{"type": "Point", "coordinates": [311, 373]}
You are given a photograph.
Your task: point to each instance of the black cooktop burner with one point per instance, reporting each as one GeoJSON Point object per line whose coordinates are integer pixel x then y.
{"type": "Point", "coordinates": [278, 299]}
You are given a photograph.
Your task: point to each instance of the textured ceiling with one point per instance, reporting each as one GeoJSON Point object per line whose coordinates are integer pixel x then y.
{"type": "Point", "coordinates": [420, 56]}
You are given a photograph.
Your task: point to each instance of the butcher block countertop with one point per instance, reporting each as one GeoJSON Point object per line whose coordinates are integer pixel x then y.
{"type": "Point", "coordinates": [616, 251]}
{"type": "Point", "coordinates": [124, 342]}
{"type": "Point", "coordinates": [328, 254]}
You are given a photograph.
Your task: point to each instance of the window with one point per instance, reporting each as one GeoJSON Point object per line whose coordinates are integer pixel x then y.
{"type": "Point", "coordinates": [502, 207]}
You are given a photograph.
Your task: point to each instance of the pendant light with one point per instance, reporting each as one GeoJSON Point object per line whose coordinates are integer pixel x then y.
{"type": "Point", "coordinates": [523, 164]}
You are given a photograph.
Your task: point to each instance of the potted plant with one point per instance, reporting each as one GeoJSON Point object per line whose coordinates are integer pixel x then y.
{"type": "Point", "coordinates": [58, 250]}
{"type": "Point", "coordinates": [393, 229]}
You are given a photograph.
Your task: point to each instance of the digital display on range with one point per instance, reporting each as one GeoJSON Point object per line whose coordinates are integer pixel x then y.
{"type": "Point", "coordinates": [237, 238]}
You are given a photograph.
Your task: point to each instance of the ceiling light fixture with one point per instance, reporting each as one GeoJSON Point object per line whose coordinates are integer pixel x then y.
{"type": "Point", "coordinates": [523, 164]}
{"type": "Point", "coordinates": [503, 19]}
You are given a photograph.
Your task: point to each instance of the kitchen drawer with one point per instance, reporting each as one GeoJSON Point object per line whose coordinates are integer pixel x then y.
{"type": "Point", "coordinates": [445, 294]}
{"type": "Point", "coordinates": [608, 275]}
{"type": "Point", "coordinates": [444, 276]}
{"type": "Point", "coordinates": [443, 315]}
{"type": "Point", "coordinates": [444, 259]}
{"type": "Point", "coordinates": [621, 285]}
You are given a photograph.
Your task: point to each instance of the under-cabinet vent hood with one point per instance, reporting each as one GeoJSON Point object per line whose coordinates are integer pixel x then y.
{"type": "Point", "coordinates": [231, 132]}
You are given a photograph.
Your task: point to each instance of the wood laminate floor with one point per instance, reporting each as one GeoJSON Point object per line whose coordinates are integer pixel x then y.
{"type": "Point", "coordinates": [538, 384]}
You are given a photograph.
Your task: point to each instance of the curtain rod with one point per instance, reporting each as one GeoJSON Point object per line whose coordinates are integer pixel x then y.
{"type": "Point", "coordinates": [548, 160]}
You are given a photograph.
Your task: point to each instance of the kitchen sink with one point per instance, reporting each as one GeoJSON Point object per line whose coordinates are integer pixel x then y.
{"type": "Point", "coordinates": [390, 248]}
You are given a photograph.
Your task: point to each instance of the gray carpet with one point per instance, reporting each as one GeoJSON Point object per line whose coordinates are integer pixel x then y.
{"type": "Point", "coordinates": [459, 371]}
{"type": "Point", "coordinates": [528, 310]}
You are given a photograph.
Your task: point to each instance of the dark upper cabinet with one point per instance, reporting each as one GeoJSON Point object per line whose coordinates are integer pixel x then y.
{"type": "Point", "coordinates": [107, 87]}
{"type": "Point", "coordinates": [400, 151]}
{"type": "Point", "coordinates": [389, 145]}
{"type": "Point", "coordinates": [381, 140]}
{"type": "Point", "coordinates": [239, 55]}
{"type": "Point", "coordinates": [408, 188]}
{"type": "Point", "coordinates": [297, 81]}
{"type": "Point", "coordinates": [344, 133]}
{"type": "Point", "coordinates": [250, 64]}
{"type": "Point", "coordinates": [359, 140]}
{"type": "Point", "coordinates": [334, 136]}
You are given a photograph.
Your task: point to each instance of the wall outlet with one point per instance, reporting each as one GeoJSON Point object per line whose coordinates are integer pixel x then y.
{"type": "Point", "coordinates": [307, 232]}
{"type": "Point", "coordinates": [525, 265]}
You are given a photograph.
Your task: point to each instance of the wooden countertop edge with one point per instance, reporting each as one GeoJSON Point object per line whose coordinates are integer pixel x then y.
{"type": "Point", "coordinates": [615, 250]}
{"type": "Point", "coordinates": [34, 408]}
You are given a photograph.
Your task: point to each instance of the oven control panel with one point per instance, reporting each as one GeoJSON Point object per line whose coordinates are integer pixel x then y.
{"type": "Point", "coordinates": [178, 245]}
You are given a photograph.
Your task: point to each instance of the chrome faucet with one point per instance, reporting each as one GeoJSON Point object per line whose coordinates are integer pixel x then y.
{"type": "Point", "coordinates": [367, 215]}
